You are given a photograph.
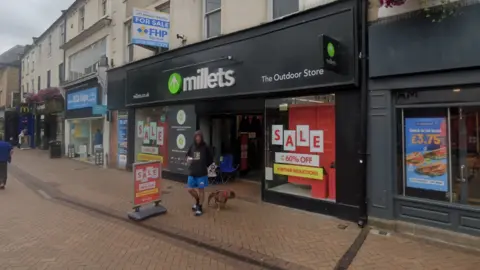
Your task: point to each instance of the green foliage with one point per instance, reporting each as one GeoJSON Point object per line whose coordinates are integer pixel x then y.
{"type": "Point", "coordinates": [439, 13]}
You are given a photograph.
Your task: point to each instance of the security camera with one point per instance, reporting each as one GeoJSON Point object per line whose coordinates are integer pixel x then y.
{"type": "Point", "coordinates": [183, 38]}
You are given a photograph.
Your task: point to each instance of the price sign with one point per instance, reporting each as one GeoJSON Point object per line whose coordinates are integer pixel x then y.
{"type": "Point", "coordinates": [426, 139]}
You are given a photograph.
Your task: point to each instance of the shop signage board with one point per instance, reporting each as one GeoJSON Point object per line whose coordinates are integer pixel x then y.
{"type": "Point", "coordinates": [99, 109]}
{"type": "Point", "coordinates": [122, 131]}
{"type": "Point", "coordinates": [147, 182]}
{"type": "Point", "coordinates": [426, 155]}
{"type": "Point", "coordinates": [150, 28]}
{"type": "Point", "coordinates": [182, 122]}
{"type": "Point", "coordinates": [82, 99]}
{"type": "Point", "coordinates": [248, 66]}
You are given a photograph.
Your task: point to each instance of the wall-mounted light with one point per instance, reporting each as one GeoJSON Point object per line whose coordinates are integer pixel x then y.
{"type": "Point", "coordinates": [456, 90]}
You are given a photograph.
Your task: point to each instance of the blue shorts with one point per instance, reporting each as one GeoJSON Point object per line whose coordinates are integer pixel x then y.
{"type": "Point", "coordinates": [197, 182]}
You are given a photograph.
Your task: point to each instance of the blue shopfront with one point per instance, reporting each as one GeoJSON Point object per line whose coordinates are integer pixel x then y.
{"type": "Point", "coordinates": [84, 121]}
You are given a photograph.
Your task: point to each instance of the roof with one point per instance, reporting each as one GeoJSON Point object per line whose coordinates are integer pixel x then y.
{"type": "Point", "coordinates": [12, 55]}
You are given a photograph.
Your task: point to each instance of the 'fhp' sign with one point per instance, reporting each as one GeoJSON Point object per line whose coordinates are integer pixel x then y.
{"type": "Point", "coordinates": [150, 28]}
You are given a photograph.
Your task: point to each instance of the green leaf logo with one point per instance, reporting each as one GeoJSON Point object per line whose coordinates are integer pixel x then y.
{"type": "Point", "coordinates": [175, 83]}
{"type": "Point", "coordinates": [330, 50]}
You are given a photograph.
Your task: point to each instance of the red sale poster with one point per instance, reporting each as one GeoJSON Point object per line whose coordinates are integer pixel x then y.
{"type": "Point", "coordinates": [147, 178]}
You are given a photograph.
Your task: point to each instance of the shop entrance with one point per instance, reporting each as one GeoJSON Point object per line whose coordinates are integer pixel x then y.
{"type": "Point", "coordinates": [239, 136]}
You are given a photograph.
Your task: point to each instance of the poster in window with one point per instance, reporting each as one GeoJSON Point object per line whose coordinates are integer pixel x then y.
{"type": "Point", "coordinates": [426, 160]}
{"type": "Point", "coordinates": [140, 129]}
{"type": "Point", "coordinates": [146, 134]}
{"type": "Point", "coordinates": [153, 131]}
{"type": "Point", "coordinates": [160, 135]}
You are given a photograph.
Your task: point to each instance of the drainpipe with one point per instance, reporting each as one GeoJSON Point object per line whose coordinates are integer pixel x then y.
{"type": "Point", "coordinates": [363, 200]}
{"type": "Point", "coordinates": [64, 14]}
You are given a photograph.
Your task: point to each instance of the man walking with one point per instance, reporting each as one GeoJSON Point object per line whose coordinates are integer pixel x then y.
{"type": "Point", "coordinates": [199, 158]}
{"type": "Point", "coordinates": [6, 151]}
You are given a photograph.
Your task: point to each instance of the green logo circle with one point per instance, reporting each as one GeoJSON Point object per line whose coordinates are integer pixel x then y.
{"type": "Point", "coordinates": [174, 83]}
{"type": "Point", "coordinates": [330, 49]}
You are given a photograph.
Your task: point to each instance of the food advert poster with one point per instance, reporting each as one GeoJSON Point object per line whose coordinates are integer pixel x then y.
{"type": "Point", "coordinates": [147, 177]}
{"type": "Point", "coordinates": [426, 153]}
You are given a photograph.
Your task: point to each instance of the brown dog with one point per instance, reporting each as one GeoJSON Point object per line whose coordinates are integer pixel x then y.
{"type": "Point", "coordinates": [220, 198]}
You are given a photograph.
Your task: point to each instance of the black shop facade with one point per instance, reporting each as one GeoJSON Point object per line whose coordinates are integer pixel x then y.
{"type": "Point", "coordinates": [285, 116]}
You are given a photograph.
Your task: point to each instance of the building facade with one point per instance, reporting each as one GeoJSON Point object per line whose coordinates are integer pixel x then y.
{"type": "Point", "coordinates": [423, 115]}
{"type": "Point", "coordinates": [285, 112]}
{"type": "Point", "coordinates": [42, 75]}
{"type": "Point", "coordinates": [9, 87]}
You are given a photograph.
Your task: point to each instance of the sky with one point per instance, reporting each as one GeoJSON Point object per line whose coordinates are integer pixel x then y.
{"type": "Point", "coordinates": [20, 20]}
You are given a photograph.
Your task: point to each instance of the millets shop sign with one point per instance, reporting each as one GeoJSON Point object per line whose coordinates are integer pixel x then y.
{"type": "Point", "coordinates": [205, 79]}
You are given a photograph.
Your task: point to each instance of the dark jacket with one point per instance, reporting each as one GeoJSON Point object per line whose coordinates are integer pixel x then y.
{"type": "Point", "coordinates": [201, 158]}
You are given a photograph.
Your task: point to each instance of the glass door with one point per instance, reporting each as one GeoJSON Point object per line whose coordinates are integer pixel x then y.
{"type": "Point", "coordinates": [465, 155]}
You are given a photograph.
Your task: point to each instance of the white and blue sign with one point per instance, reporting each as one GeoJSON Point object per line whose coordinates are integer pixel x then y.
{"type": "Point", "coordinates": [426, 155]}
{"type": "Point", "coordinates": [99, 109]}
{"type": "Point", "coordinates": [150, 28]}
{"type": "Point", "coordinates": [82, 99]}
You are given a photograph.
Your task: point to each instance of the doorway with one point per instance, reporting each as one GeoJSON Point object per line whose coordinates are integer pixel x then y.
{"type": "Point", "coordinates": [238, 135]}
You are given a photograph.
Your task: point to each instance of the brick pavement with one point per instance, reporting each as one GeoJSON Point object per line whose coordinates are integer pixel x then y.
{"type": "Point", "coordinates": [399, 253]}
{"type": "Point", "coordinates": [303, 239]}
{"type": "Point", "coordinates": [39, 233]}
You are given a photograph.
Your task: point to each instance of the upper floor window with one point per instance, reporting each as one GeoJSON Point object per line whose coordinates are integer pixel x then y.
{"type": "Point", "coordinates": [81, 19]}
{"type": "Point", "coordinates": [86, 61]}
{"type": "Point", "coordinates": [103, 7]}
{"type": "Point", "coordinates": [282, 8]}
{"type": "Point", "coordinates": [165, 7]}
{"type": "Point", "coordinates": [50, 45]}
{"type": "Point", "coordinates": [28, 64]}
{"type": "Point", "coordinates": [48, 78]}
{"type": "Point", "coordinates": [62, 34]}
{"type": "Point", "coordinates": [213, 13]}
{"type": "Point", "coordinates": [33, 65]}
{"type": "Point", "coordinates": [39, 84]}
{"type": "Point", "coordinates": [33, 85]}
{"type": "Point", "coordinates": [130, 47]}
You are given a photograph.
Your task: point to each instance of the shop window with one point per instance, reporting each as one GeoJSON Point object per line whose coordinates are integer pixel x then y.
{"type": "Point", "coordinates": [151, 135]}
{"type": "Point", "coordinates": [282, 8]}
{"type": "Point", "coordinates": [213, 13]}
{"type": "Point", "coordinates": [86, 135]}
{"type": "Point", "coordinates": [300, 148]}
{"type": "Point", "coordinates": [438, 154]}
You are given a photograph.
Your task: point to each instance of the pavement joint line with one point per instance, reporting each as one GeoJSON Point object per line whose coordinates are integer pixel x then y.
{"type": "Point", "coordinates": [36, 184]}
{"type": "Point", "coordinates": [44, 194]}
{"type": "Point", "coordinates": [347, 258]}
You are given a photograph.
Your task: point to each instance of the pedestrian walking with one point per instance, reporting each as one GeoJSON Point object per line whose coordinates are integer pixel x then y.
{"type": "Point", "coordinates": [199, 158]}
{"type": "Point", "coordinates": [6, 152]}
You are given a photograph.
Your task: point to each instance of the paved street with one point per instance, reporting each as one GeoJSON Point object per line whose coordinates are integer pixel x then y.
{"type": "Point", "coordinates": [282, 237]}
{"type": "Point", "coordinates": [38, 233]}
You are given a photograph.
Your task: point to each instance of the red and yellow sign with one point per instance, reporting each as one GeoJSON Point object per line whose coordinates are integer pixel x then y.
{"type": "Point", "coordinates": [147, 177]}
{"type": "Point", "coordinates": [298, 171]}
{"type": "Point", "coordinates": [149, 157]}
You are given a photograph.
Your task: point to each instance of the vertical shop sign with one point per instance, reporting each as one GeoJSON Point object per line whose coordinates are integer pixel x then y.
{"type": "Point", "coordinates": [147, 178]}
{"type": "Point", "coordinates": [122, 139]}
{"type": "Point", "coordinates": [426, 153]}
{"type": "Point", "coordinates": [182, 122]}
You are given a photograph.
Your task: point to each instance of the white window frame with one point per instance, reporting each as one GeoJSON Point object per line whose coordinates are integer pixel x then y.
{"type": "Point", "coordinates": [62, 34]}
{"type": "Point", "coordinates": [103, 8]}
{"type": "Point", "coordinates": [81, 19]}
{"type": "Point", "coordinates": [270, 10]}
{"type": "Point", "coordinates": [50, 45]}
{"type": "Point", "coordinates": [205, 18]}
{"type": "Point", "coordinates": [129, 48]}
{"type": "Point", "coordinates": [163, 6]}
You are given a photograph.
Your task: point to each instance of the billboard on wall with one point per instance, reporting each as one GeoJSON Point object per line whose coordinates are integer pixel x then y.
{"type": "Point", "coordinates": [182, 122]}
{"type": "Point", "coordinates": [150, 28]}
